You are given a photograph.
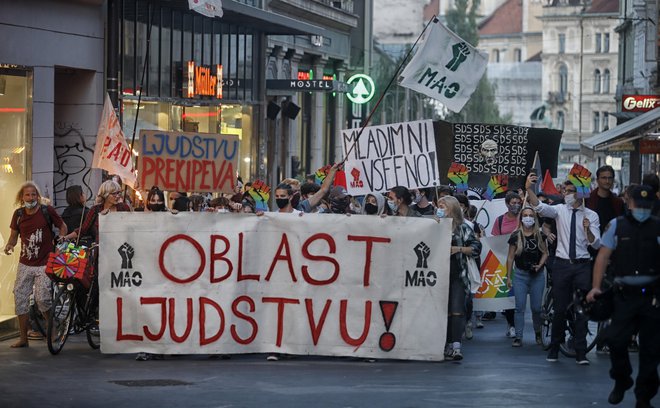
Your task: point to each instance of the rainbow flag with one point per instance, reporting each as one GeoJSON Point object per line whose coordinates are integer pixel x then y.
{"type": "Point", "coordinates": [321, 174]}
{"type": "Point", "coordinates": [496, 185]}
{"type": "Point", "coordinates": [580, 177]}
{"type": "Point", "coordinates": [260, 192]}
{"type": "Point", "coordinates": [458, 174]}
{"type": "Point", "coordinates": [493, 293]}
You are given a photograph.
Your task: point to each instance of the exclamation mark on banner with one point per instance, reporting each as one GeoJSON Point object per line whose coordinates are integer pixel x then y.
{"type": "Point", "coordinates": [387, 339]}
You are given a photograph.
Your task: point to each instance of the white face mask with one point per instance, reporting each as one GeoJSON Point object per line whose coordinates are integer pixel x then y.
{"type": "Point", "coordinates": [528, 221]}
{"type": "Point", "coordinates": [569, 199]}
{"type": "Point", "coordinates": [30, 204]}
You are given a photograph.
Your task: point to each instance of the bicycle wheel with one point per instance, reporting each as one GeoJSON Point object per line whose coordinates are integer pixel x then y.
{"type": "Point", "coordinates": [37, 320]}
{"type": "Point", "coordinates": [60, 319]}
{"type": "Point", "coordinates": [547, 313]}
{"type": "Point", "coordinates": [567, 347]}
{"type": "Point", "coordinates": [92, 321]}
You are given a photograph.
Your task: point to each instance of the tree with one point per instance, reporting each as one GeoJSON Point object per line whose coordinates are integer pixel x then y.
{"type": "Point", "coordinates": [481, 108]}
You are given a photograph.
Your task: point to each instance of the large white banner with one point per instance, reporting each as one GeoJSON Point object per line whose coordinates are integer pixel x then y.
{"type": "Point", "coordinates": [493, 294]}
{"type": "Point", "coordinates": [313, 285]}
{"type": "Point", "coordinates": [445, 67]}
{"type": "Point", "coordinates": [386, 156]}
{"type": "Point", "coordinates": [488, 212]}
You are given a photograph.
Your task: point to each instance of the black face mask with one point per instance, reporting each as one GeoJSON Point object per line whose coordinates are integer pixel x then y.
{"type": "Point", "coordinates": [339, 206]}
{"type": "Point", "coordinates": [371, 209]}
{"type": "Point", "coordinates": [156, 207]}
{"type": "Point", "coordinates": [281, 202]}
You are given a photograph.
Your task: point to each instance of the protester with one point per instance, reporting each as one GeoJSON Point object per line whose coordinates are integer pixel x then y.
{"type": "Point", "coordinates": [423, 201]}
{"type": "Point", "coordinates": [505, 224]}
{"type": "Point", "coordinates": [220, 205]}
{"type": "Point", "coordinates": [572, 268]}
{"type": "Point", "coordinates": [443, 191]}
{"type": "Point", "coordinates": [374, 204]}
{"type": "Point", "coordinates": [32, 222]}
{"type": "Point", "coordinates": [464, 203]}
{"type": "Point", "coordinates": [109, 199]}
{"type": "Point", "coordinates": [652, 180]}
{"type": "Point", "coordinates": [601, 200]}
{"type": "Point", "coordinates": [528, 250]}
{"type": "Point", "coordinates": [74, 214]}
{"type": "Point", "coordinates": [634, 239]}
{"type": "Point", "coordinates": [463, 244]}
{"type": "Point", "coordinates": [399, 200]}
{"type": "Point", "coordinates": [313, 200]}
{"type": "Point", "coordinates": [181, 201]}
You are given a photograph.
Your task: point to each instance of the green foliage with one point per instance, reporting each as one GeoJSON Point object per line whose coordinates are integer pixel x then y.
{"type": "Point", "coordinates": [481, 107]}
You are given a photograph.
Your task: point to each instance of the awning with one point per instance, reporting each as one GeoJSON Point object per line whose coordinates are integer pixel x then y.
{"type": "Point", "coordinates": [626, 132]}
{"type": "Point", "coordinates": [266, 21]}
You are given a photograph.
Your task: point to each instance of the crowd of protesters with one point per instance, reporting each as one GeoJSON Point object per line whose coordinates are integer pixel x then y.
{"type": "Point", "coordinates": [537, 227]}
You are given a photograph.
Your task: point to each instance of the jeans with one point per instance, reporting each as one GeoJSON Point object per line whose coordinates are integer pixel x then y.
{"type": "Point", "coordinates": [525, 283]}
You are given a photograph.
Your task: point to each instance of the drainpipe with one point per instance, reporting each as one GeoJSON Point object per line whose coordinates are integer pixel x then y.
{"type": "Point", "coordinates": [112, 66]}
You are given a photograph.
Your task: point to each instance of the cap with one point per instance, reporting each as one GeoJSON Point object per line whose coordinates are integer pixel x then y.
{"type": "Point", "coordinates": [337, 193]}
{"type": "Point", "coordinates": [643, 196]}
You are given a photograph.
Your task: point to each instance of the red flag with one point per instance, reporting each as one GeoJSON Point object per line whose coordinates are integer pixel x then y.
{"type": "Point", "coordinates": [547, 185]}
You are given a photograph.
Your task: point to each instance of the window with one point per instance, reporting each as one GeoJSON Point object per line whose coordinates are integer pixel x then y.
{"type": "Point", "coordinates": [596, 126]}
{"type": "Point", "coordinates": [517, 55]}
{"type": "Point", "coordinates": [598, 39]}
{"type": "Point", "coordinates": [496, 55]}
{"type": "Point", "coordinates": [560, 120]}
{"type": "Point", "coordinates": [606, 121]}
{"type": "Point", "coordinates": [606, 42]}
{"type": "Point", "coordinates": [563, 80]}
{"type": "Point", "coordinates": [597, 80]}
{"type": "Point", "coordinates": [562, 43]}
{"type": "Point", "coordinates": [606, 81]}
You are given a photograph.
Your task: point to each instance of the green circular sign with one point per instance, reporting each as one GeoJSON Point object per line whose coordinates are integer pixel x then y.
{"type": "Point", "coordinates": [364, 89]}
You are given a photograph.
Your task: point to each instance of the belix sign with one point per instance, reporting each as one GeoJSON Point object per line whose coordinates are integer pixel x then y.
{"type": "Point", "coordinates": [202, 81]}
{"type": "Point", "coordinates": [640, 103]}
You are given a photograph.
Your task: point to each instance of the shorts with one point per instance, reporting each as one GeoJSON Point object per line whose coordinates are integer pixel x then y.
{"type": "Point", "coordinates": [29, 279]}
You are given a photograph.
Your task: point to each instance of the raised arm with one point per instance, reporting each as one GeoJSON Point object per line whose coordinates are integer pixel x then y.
{"type": "Point", "coordinates": [315, 199]}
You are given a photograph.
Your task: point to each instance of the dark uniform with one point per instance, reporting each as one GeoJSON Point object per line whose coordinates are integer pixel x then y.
{"type": "Point", "coordinates": [636, 247]}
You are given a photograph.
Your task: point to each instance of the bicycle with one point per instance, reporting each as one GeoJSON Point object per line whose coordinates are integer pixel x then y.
{"type": "Point", "coordinates": [75, 309]}
{"type": "Point", "coordinates": [567, 345]}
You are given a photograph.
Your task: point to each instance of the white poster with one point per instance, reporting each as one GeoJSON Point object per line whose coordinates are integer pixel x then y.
{"type": "Point", "coordinates": [386, 156]}
{"type": "Point", "coordinates": [493, 294]}
{"type": "Point", "coordinates": [488, 212]}
{"type": "Point", "coordinates": [332, 285]}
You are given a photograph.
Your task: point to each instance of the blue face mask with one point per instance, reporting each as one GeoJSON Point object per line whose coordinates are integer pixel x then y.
{"type": "Point", "coordinates": [641, 214]}
{"type": "Point", "coordinates": [440, 213]}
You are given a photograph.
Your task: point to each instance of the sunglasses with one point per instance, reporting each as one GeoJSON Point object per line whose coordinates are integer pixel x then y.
{"type": "Point", "coordinates": [116, 193]}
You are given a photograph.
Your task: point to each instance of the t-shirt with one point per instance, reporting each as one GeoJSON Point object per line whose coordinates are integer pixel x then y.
{"type": "Point", "coordinates": [36, 235]}
{"type": "Point", "coordinates": [508, 225]}
{"type": "Point", "coordinates": [605, 210]}
{"type": "Point", "coordinates": [428, 210]}
{"type": "Point", "coordinates": [531, 254]}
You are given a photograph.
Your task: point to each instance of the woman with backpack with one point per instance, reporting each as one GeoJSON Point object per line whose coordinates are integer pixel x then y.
{"type": "Point", "coordinates": [526, 263]}
{"type": "Point", "coordinates": [32, 222]}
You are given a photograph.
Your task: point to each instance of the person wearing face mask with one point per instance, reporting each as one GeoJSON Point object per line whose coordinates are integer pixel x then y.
{"type": "Point", "coordinates": [312, 197]}
{"type": "Point", "coordinates": [32, 223]}
{"type": "Point", "coordinates": [283, 195]}
{"type": "Point", "coordinates": [634, 239]}
{"type": "Point", "coordinates": [399, 200]}
{"type": "Point", "coordinates": [577, 229]}
{"type": "Point", "coordinates": [374, 204]}
{"type": "Point", "coordinates": [505, 224]}
{"type": "Point", "coordinates": [526, 264]}
{"type": "Point", "coordinates": [156, 200]}
{"type": "Point", "coordinates": [423, 201]}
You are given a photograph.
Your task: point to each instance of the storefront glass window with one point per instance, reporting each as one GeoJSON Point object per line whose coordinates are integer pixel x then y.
{"type": "Point", "coordinates": [15, 154]}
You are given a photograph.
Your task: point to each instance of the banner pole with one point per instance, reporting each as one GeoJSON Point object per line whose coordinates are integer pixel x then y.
{"type": "Point", "coordinates": [433, 19]}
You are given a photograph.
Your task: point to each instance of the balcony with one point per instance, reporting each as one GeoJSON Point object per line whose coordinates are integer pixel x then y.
{"type": "Point", "coordinates": [556, 98]}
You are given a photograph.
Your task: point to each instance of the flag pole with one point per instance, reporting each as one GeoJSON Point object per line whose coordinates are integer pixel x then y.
{"type": "Point", "coordinates": [433, 19]}
{"type": "Point", "coordinates": [139, 102]}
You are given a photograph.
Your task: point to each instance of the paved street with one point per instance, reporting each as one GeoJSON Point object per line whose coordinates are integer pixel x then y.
{"type": "Point", "coordinates": [493, 374]}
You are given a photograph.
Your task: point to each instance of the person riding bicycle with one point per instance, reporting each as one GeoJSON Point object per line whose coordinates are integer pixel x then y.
{"type": "Point", "coordinates": [634, 239]}
{"type": "Point", "coordinates": [577, 228]}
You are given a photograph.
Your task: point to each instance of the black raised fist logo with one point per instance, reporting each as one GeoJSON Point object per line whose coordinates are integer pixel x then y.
{"type": "Point", "coordinates": [422, 251]}
{"type": "Point", "coordinates": [126, 252]}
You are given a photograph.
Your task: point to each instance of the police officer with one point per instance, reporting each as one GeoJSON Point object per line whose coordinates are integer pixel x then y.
{"type": "Point", "coordinates": [635, 240]}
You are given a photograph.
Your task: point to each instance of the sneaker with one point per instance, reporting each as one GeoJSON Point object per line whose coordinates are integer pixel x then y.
{"type": "Point", "coordinates": [553, 354]}
{"type": "Point", "coordinates": [511, 332]}
{"type": "Point", "coordinates": [479, 324]}
{"type": "Point", "coordinates": [456, 355]}
{"type": "Point", "coordinates": [581, 358]}
{"type": "Point", "coordinates": [517, 342]}
{"type": "Point", "coordinates": [538, 338]}
{"type": "Point", "coordinates": [143, 357]}
{"type": "Point", "coordinates": [468, 331]}
{"type": "Point", "coordinates": [272, 357]}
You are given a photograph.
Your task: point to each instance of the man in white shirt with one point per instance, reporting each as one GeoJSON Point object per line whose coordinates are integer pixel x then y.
{"type": "Point", "coordinates": [577, 228]}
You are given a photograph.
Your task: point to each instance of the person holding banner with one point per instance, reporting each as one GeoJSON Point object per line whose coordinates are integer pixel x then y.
{"type": "Point", "coordinates": [374, 204]}
{"type": "Point", "coordinates": [572, 267]}
{"type": "Point", "coordinates": [528, 253]}
{"type": "Point", "coordinates": [424, 201]}
{"type": "Point", "coordinates": [464, 244]}
{"type": "Point", "coordinates": [399, 200]}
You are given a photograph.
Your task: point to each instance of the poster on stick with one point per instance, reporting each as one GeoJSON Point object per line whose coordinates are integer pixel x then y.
{"type": "Point", "coordinates": [187, 161]}
{"type": "Point", "coordinates": [386, 156]}
{"type": "Point", "coordinates": [493, 294]}
{"type": "Point", "coordinates": [199, 283]}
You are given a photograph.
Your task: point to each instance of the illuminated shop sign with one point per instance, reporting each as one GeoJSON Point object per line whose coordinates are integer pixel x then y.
{"type": "Point", "coordinates": [640, 103]}
{"type": "Point", "coordinates": [300, 84]}
{"type": "Point", "coordinates": [363, 89]}
{"type": "Point", "coordinates": [200, 81]}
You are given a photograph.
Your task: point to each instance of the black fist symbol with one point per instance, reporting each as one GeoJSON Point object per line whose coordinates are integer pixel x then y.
{"type": "Point", "coordinates": [422, 251]}
{"type": "Point", "coordinates": [126, 252]}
